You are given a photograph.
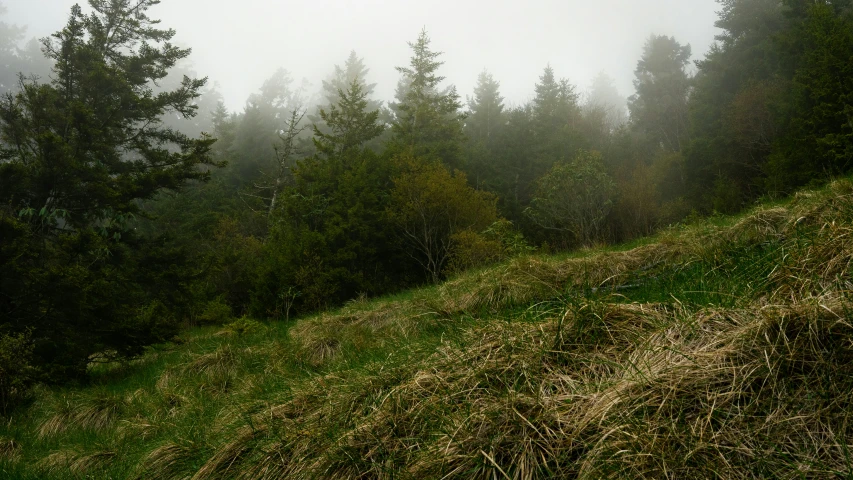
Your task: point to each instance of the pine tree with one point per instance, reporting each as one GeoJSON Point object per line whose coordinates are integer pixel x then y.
{"type": "Point", "coordinates": [603, 95]}
{"type": "Point", "coordinates": [659, 108]}
{"type": "Point", "coordinates": [556, 122]}
{"type": "Point", "coordinates": [486, 108]}
{"type": "Point", "coordinates": [342, 78]}
{"type": "Point", "coordinates": [819, 140]}
{"type": "Point", "coordinates": [76, 157]}
{"type": "Point", "coordinates": [340, 81]}
{"type": "Point", "coordinates": [330, 240]}
{"type": "Point", "coordinates": [351, 123]}
{"type": "Point", "coordinates": [257, 134]}
{"type": "Point", "coordinates": [428, 119]}
{"type": "Point", "coordinates": [556, 115]}
{"type": "Point", "coordinates": [483, 129]}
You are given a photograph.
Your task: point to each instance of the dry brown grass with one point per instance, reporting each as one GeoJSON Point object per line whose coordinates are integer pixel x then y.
{"type": "Point", "coordinates": [361, 324]}
{"type": "Point", "coordinates": [92, 412]}
{"type": "Point", "coordinates": [9, 449]}
{"type": "Point", "coordinates": [169, 461]}
{"type": "Point", "coordinates": [76, 463]}
{"type": "Point", "coordinates": [213, 372]}
{"type": "Point", "coordinates": [609, 391]}
{"type": "Point", "coordinates": [531, 279]}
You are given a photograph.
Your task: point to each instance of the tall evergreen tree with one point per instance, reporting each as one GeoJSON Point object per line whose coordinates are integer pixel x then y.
{"type": "Point", "coordinates": [483, 129]}
{"type": "Point", "coordinates": [555, 102]}
{"type": "Point", "coordinates": [340, 80]}
{"type": "Point", "coordinates": [343, 76]}
{"type": "Point", "coordinates": [556, 117]}
{"type": "Point", "coordinates": [604, 96]}
{"type": "Point", "coordinates": [556, 121]}
{"type": "Point", "coordinates": [506, 168]}
{"type": "Point", "coordinates": [428, 118]}
{"type": "Point", "coordinates": [659, 108]}
{"type": "Point", "coordinates": [258, 131]}
{"type": "Point", "coordinates": [329, 240]}
{"type": "Point", "coordinates": [819, 127]}
{"type": "Point", "coordinates": [735, 105]}
{"type": "Point", "coordinates": [351, 122]}
{"type": "Point", "coordinates": [486, 108]}
{"type": "Point", "coordinates": [76, 157]}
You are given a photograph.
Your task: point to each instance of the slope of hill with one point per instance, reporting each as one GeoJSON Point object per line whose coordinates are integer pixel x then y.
{"type": "Point", "coordinates": [721, 349]}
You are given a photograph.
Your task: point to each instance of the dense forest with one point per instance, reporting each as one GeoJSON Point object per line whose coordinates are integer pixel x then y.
{"type": "Point", "coordinates": [133, 203]}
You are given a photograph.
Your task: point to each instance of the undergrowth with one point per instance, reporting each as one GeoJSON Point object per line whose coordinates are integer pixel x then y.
{"type": "Point", "coordinates": [721, 349]}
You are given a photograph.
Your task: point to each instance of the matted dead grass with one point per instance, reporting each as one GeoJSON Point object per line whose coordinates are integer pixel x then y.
{"type": "Point", "coordinates": [660, 392]}
{"type": "Point", "coordinates": [9, 449]}
{"type": "Point", "coordinates": [77, 463]}
{"type": "Point", "coordinates": [91, 412]}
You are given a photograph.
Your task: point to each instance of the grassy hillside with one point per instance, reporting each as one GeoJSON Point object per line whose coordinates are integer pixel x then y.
{"type": "Point", "coordinates": [722, 349]}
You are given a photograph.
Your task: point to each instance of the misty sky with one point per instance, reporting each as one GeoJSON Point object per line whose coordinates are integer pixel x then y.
{"type": "Point", "coordinates": [240, 43]}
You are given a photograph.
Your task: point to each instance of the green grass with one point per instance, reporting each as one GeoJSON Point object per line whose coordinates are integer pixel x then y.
{"type": "Point", "coordinates": [719, 349]}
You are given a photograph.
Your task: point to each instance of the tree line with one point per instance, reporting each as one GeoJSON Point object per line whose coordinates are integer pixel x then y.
{"type": "Point", "coordinates": [132, 202]}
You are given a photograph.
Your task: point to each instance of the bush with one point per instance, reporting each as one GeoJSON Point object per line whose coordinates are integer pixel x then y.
{"type": "Point", "coordinates": [243, 326]}
{"type": "Point", "coordinates": [498, 242]}
{"type": "Point", "coordinates": [216, 312]}
{"type": "Point", "coordinates": [574, 199]}
{"type": "Point", "coordinates": [470, 250]}
{"type": "Point", "coordinates": [510, 238]}
{"type": "Point", "coordinates": [17, 375]}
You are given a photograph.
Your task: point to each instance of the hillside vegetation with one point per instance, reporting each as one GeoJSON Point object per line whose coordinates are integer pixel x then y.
{"type": "Point", "coordinates": [135, 204]}
{"type": "Point", "coordinates": [718, 349]}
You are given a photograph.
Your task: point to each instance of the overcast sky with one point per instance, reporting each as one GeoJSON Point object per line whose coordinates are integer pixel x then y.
{"type": "Point", "coordinates": [240, 43]}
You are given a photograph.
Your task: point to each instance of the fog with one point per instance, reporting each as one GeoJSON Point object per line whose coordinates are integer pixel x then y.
{"type": "Point", "coordinates": [239, 44]}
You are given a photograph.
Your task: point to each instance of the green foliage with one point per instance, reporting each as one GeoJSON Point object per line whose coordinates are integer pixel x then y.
{"type": "Point", "coordinates": [252, 151]}
{"type": "Point", "coordinates": [216, 312]}
{"type": "Point", "coordinates": [349, 122]}
{"type": "Point", "coordinates": [770, 110]}
{"type": "Point", "coordinates": [484, 127]}
{"type": "Point", "coordinates": [472, 250]}
{"type": "Point", "coordinates": [659, 108]}
{"type": "Point", "coordinates": [510, 238]}
{"type": "Point", "coordinates": [483, 123]}
{"type": "Point", "coordinates": [499, 242]}
{"type": "Point", "coordinates": [501, 166]}
{"type": "Point", "coordinates": [575, 198]}
{"type": "Point", "coordinates": [819, 142]}
{"type": "Point", "coordinates": [330, 240]}
{"type": "Point", "coordinates": [17, 373]}
{"type": "Point", "coordinates": [528, 142]}
{"type": "Point", "coordinates": [429, 205]}
{"type": "Point", "coordinates": [77, 156]}
{"type": "Point", "coordinates": [555, 116]}
{"type": "Point", "coordinates": [233, 259]}
{"type": "Point", "coordinates": [339, 80]}
{"type": "Point", "coordinates": [245, 326]}
{"type": "Point", "coordinates": [428, 120]}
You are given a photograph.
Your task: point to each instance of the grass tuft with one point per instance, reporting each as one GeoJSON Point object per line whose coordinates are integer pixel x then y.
{"type": "Point", "coordinates": [94, 412]}
{"type": "Point", "coordinates": [10, 450]}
